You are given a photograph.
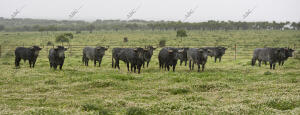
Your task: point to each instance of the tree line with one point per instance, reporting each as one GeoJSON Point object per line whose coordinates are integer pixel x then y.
{"type": "Point", "coordinates": [116, 25]}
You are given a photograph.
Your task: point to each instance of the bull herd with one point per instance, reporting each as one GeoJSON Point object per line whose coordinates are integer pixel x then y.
{"type": "Point", "coordinates": [135, 58]}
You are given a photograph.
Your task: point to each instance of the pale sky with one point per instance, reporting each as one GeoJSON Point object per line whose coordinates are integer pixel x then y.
{"type": "Point", "coordinates": [171, 10]}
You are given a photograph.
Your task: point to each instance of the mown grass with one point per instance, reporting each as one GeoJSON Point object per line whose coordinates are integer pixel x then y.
{"type": "Point", "coordinates": [229, 87]}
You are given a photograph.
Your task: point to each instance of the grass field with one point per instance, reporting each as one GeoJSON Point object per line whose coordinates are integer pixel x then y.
{"type": "Point", "coordinates": [229, 87]}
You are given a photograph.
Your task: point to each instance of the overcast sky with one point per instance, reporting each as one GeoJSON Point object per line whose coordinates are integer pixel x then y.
{"type": "Point", "coordinates": [173, 10]}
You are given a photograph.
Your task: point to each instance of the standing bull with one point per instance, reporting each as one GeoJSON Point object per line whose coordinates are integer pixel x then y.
{"type": "Point", "coordinates": [133, 56]}
{"type": "Point", "coordinates": [198, 56]}
{"type": "Point", "coordinates": [30, 54]}
{"type": "Point", "coordinates": [271, 55]}
{"type": "Point", "coordinates": [95, 54]}
{"type": "Point", "coordinates": [168, 57]}
{"type": "Point", "coordinates": [148, 55]}
{"type": "Point", "coordinates": [216, 52]}
{"type": "Point", "coordinates": [57, 57]}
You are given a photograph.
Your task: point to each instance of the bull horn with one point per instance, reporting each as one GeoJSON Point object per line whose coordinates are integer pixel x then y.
{"type": "Point", "coordinates": [170, 51]}
{"type": "Point", "coordinates": [180, 51]}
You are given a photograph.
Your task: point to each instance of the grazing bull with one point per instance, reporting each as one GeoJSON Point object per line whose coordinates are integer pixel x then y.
{"type": "Point", "coordinates": [95, 54]}
{"type": "Point", "coordinates": [288, 53]}
{"type": "Point", "coordinates": [148, 55]}
{"type": "Point", "coordinates": [57, 57]}
{"type": "Point", "coordinates": [168, 57]}
{"type": "Point", "coordinates": [198, 56]}
{"type": "Point", "coordinates": [184, 56]}
{"type": "Point", "coordinates": [216, 52]}
{"type": "Point", "coordinates": [133, 56]}
{"type": "Point", "coordinates": [271, 55]}
{"type": "Point", "coordinates": [30, 54]}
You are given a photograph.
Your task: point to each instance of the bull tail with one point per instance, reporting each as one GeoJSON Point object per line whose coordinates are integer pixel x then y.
{"type": "Point", "coordinates": [112, 61]}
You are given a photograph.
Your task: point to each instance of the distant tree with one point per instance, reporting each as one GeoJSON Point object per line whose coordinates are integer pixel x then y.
{"type": "Point", "coordinates": [49, 43]}
{"type": "Point", "coordinates": [68, 35]}
{"type": "Point", "coordinates": [162, 43]}
{"type": "Point", "coordinates": [62, 38]}
{"type": "Point", "coordinates": [181, 33]}
{"type": "Point", "coordinates": [91, 27]}
{"type": "Point", "coordinates": [125, 39]}
{"type": "Point", "coordinates": [2, 27]}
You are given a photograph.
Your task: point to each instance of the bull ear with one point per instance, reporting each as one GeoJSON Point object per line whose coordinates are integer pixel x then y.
{"type": "Point", "coordinates": [146, 50]}
{"type": "Point", "coordinates": [135, 50]}
{"type": "Point", "coordinates": [66, 49]}
{"type": "Point", "coordinates": [40, 48]}
{"type": "Point", "coordinates": [105, 48]}
{"type": "Point", "coordinates": [225, 48]}
{"type": "Point", "coordinates": [154, 48]}
{"type": "Point", "coordinates": [56, 49]}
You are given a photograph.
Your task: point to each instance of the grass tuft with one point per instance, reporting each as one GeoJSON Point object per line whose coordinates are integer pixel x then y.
{"type": "Point", "coordinates": [136, 111]}
{"type": "Point", "coordinates": [283, 104]}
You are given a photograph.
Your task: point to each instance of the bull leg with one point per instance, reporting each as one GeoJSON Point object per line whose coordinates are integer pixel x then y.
{"type": "Point", "coordinates": [100, 62]}
{"type": "Point", "coordinates": [199, 67]}
{"type": "Point", "coordinates": [174, 68]}
{"type": "Point", "coordinates": [193, 65]}
{"type": "Point", "coordinates": [60, 66]}
{"type": "Point", "coordinates": [143, 64]}
{"type": "Point", "coordinates": [30, 63]}
{"type": "Point", "coordinates": [112, 62]}
{"type": "Point", "coordinates": [86, 62]}
{"type": "Point", "coordinates": [128, 66]}
{"type": "Point", "coordinates": [118, 62]}
{"type": "Point", "coordinates": [282, 63]}
{"type": "Point", "coordinates": [95, 62]}
{"type": "Point", "coordinates": [148, 63]}
{"type": "Point", "coordinates": [259, 63]}
{"type": "Point", "coordinates": [215, 59]}
{"type": "Point", "coordinates": [253, 62]}
{"type": "Point", "coordinates": [168, 67]}
{"type": "Point", "coordinates": [271, 64]}
{"type": "Point", "coordinates": [220, 59]}
{"type": "Point", "coordinates": [181, 62]}
{"type": "Point", "coordinates": [265, 62]}
{"type": "Point", "coordinates": [134, 67]}
{"type": "Point", "coordinates": [33, 63]}
{"type": "Point", "coordinates": [17, 62]}
{"type": "Point", "coordinates": [274, 66]}
{"type": "Point", "coordinates": [185, 62]}
{"type": "Point", "coordinates": [190, 64]}
{"type": "Point", "coordinates": [203, 66]}
{"type": "Point", "coordinates": [139, 69]}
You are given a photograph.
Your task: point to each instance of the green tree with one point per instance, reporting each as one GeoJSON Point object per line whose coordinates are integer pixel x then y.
{"type": "Point", "coordinates": [62, 38]}
{"type": "Point", "coordinates": [181, 33]}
